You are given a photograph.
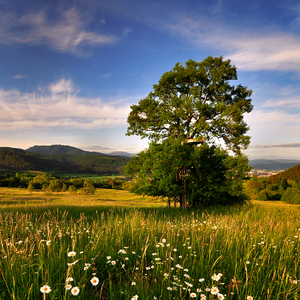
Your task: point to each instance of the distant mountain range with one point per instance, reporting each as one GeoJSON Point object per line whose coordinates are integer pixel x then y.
{"type": "Point", "coordinates": [62, 149]}
{"type": "Point", "coordinates": [61, 158]}
{"type": "Point", "coordinates": [273, 164]}
{"type": "Point", "coordinates": [68, 159]}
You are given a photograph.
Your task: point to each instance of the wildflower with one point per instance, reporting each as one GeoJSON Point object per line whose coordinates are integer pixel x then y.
{"type": "Point", "coordinates": [135, 297]}
{"type": "Point", "coordinates": [214, 290]}
{"type": "Point", "coordinates": [249, 298]}
{"type": "Point", "coordinates": [133, 283]}
{"type": "Point", "coordinates": [193, 295]}
{"type": "Point", "coordinates": [75, 291]}
{"type": "Point", "coordinates": [216, 277]}
{"type": "Point", "coordinates": [201, 279]}
{"type": "Point", "coordinates": [48, 243]}
{"type": "Point", "coordinates": [45, 289]}
{"type": "Point", "coordinates": [69, 279]}
{"type": "Point", "coordinates": [163, 240]}
{"type": "Point", "coordinates": [72, 254]}
{"type": "Point", "coordinates": [202, 297]}
{"type": "Point", "coordinates": [199, 291]}
{"type": "Point", "coordinates": [220, 296]}
{"type": "Point", "coordinates": [68, 286]}
{"type": "Point", "coordinates": [169, 288]}
{"type": "Point", "coordinates": [94, 281]}
{"type": "Point", "coordinates": [113, 262]}
{"type": "Point", "coordinates": [247, 262]}
{"type": "Point", "coordinates": [73, 263]}
{"type": "Point", "coordinates": [108, 257]}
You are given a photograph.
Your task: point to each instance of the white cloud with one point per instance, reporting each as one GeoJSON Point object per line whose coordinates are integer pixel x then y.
{"type": "Point", "coordinates": [247, 49]}
{"type": "Point", "coordinates": [59, 106]}
{"type": "Point", "coordinates": [269, 52]}
{"type": "Point", "coordinates": [61, 86]}
{"type": "Point", "coordinates": [66, 34]}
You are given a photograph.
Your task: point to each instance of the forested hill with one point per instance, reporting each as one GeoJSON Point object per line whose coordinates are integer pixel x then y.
{"type": "Point", "coordinates": [61, 149]}
{"type": "Point", "coordinates": [291, 174]}
{"type": "Point", "coordinates": [13, 160]}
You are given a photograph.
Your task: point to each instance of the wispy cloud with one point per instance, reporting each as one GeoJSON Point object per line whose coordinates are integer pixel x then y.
{"type": "Point", "coordinates": [279, 51]}
{"type": "Point", "coordinates": [288, 145]}
{"type": "Point", "coordinates": [19, 76]}
{"type": "Point", "coordinates": [58, 106]}
{"type": "Point", "coordinates": [248, 50]}
{"type": "Point", "coordinates": [283, 103]}
{"type": "Point", "coordinates": [67, 33]}
{"type": "Point", "coordinates": [106, 75]}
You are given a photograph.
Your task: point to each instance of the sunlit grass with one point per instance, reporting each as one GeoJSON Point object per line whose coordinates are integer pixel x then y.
{"type": "Point", "coordinates": [132, 252]}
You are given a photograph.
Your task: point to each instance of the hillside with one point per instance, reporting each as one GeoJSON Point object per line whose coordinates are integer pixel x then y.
{"type": "Point", "coordinates": [121, 153]}
{"type": "Point", "coordinates": [12, 160]}
{"type": "Point", "coordinates": [57, 158]}
{"type": "Point", "coordinates": [273, 164]}
{"type": "Point", "coordinates": [291, 174]}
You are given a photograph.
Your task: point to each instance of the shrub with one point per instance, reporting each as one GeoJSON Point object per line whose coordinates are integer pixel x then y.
{"type": "Point", "coordinates": [291, 195]}
{"type": "Point", "coordinates": [262, 195]}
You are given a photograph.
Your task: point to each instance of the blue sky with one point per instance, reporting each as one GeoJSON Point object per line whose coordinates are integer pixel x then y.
{"type": "Point", "coordinates": [69, 70]}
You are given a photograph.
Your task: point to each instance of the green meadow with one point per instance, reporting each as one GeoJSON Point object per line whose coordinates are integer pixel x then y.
{"type": "Point", "coordinates": [117, 245]}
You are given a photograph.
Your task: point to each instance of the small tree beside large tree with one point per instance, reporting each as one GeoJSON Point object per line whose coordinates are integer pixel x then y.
{"type": "Point", "coordinates": [193, 117]}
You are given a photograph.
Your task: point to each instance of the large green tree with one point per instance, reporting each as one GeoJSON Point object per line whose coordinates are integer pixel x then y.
{"type": "Point", "coordinates": [190, 111]}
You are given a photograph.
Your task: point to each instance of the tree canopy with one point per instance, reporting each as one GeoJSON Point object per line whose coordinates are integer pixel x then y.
{"type": "Point", "coordinates": [195, 101]}
{"type": "Point", "coordinates": [188, 115]}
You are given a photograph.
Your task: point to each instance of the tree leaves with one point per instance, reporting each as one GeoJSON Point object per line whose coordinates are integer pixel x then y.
{"type": "Point", "coordinates": [195, 100]}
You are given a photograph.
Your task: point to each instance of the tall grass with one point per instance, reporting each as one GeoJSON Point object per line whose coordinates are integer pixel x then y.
{"type": "Point", "coordinates": [151, 253]}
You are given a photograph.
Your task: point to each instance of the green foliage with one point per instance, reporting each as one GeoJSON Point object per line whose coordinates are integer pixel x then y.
{"type": "Point", "coordinates": [262, 195]}
{"type": "Point", "coordinates": [269, 189]}
{"type": "Point", "coordinates": [88, 187]}
{"type": "Point", "coordinates": [72, 189]}
{"type": "Point", "coordinates": [204, 175]}
{"type": "Point", "coordinates": [195, 101]}
{"type": "Point", "coordinates": [291, 195]}
{"type": "Point", "coordinates": [191, 108]}
{"type": "Point", "coordinates": [30, 187]}
{"type": "Point", "coordinates": [55, 185]}
{"type": "Point", "coordinates": [47, 182]}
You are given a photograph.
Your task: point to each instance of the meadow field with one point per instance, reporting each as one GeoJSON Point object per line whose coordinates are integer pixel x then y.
{"type": "Point", "coordinates": [116, 245]}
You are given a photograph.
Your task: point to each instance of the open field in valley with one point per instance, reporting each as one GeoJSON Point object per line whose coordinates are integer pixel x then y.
{"type": "Point", "coordinates": [116, 245]}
